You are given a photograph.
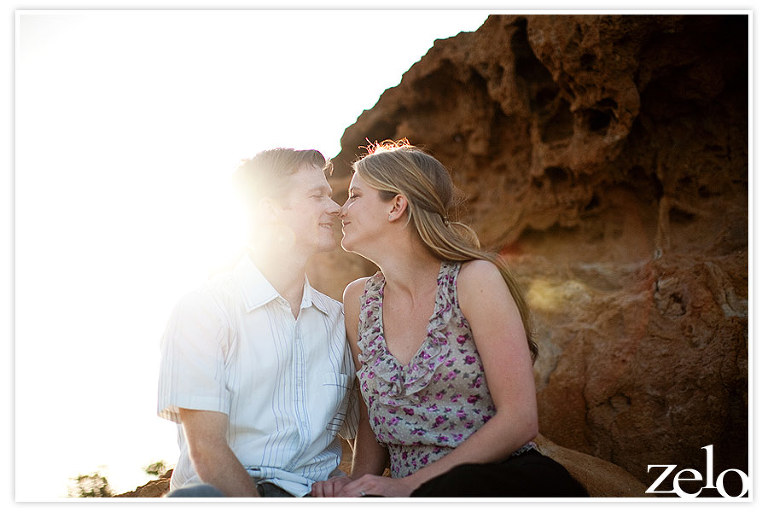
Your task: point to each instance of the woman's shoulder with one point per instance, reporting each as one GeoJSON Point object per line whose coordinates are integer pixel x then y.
{"type": "Point", "coordinates": [356, 288]}
{"type": "Point", "coordinates": [477, 279]}
{"type": "Point", "coordinates": [474, 270]}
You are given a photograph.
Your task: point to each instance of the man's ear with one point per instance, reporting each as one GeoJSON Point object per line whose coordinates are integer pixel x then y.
{"type": "Point", "coordinates": [267, 210]}
{"type": "Point", "coordinates": [398, 207]}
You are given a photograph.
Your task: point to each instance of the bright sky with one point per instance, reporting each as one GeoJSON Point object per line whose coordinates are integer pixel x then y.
{"type": "Point", "coordinates": [127, 126]}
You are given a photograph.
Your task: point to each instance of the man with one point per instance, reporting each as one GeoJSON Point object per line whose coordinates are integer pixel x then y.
{"type": "Point", "coordinates": [255, 367]}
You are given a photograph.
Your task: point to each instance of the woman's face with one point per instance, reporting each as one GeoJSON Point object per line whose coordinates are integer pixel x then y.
{"type": "Point", "coordinates": [363, 216]}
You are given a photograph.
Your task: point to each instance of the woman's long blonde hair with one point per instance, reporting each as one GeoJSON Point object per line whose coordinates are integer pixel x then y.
{"type": "Point", "coordinates": [395, 168]}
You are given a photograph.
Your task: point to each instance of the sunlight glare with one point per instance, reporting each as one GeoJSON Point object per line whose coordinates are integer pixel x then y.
{"type": "Point", "coordinates": [128, 125]}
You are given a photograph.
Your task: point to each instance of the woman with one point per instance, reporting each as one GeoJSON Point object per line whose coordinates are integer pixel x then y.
{"type": "Point", "coordinates": [442, 345]}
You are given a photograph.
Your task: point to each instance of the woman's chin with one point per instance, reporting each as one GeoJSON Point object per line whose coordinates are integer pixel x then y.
{"type": "Point", "coordinates": [347, 244]}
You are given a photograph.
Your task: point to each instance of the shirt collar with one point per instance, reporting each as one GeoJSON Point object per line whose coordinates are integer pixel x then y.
{"type": "Point", "coordinates": [258, 291]}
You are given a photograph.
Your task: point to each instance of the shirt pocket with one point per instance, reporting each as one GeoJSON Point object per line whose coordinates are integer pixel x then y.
{"type": "Point", "coordinates": [337, 389]}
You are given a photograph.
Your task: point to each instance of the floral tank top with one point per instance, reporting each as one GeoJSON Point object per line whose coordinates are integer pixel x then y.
{"type": "Point", "coordinates": [424, 409]}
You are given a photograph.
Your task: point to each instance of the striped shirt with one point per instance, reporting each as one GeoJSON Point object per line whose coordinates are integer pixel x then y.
{"type": "Point", "coordinates": [286, 384]}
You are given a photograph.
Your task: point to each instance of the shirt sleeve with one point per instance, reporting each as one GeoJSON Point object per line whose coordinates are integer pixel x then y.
{"type": "Point", "coordinates": [193, 356]}
{"type": "Point", "coordinates": [348, 428]}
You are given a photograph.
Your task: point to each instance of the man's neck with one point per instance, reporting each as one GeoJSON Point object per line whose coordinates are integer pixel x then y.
{"type": "Point", "coordinates": [285, 272]}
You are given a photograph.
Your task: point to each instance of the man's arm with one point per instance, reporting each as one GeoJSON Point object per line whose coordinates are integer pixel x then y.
{"type": "Point", "coordinates": [212, 457]}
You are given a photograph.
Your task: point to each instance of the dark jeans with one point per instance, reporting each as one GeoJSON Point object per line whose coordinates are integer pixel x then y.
{"type": "Point", "coordinates": [266, 490]}
{"type": "Point", "coordinates": [528, 475]}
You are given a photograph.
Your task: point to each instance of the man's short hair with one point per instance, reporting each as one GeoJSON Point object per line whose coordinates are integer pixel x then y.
{"type": "Point", "coordinates": [264, 175]}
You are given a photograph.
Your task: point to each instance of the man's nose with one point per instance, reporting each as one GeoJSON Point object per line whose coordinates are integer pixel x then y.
{"type": "Point", "coordinates": [334, 208]}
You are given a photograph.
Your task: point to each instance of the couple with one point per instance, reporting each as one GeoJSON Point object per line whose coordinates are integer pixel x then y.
{"type": "Point", "coordinates": [258, 368]}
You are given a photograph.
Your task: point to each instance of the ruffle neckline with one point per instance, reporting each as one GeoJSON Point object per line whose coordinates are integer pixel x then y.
{"type": "Point", "coordinates": [394, 380]}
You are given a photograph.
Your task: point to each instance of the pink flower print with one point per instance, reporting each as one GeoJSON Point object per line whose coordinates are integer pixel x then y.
{"type": "Point", "coordinates": [408, 411]}
{"type": "Point", "coordinates": [455, 398]}
{"type": "Point", "coordinates": [458, 437]}
{"type": "Point", "coordinates": [439, 396]}
{"type": "Point", "coordinates": [472, 399]}
{"type": "Point", "coordinates": [432, 408]}
{"type": "Point", "coordinates": [461, 339]}
{"type": "Point", "coordinates": [450, 375]}
{"type": "Point", "coordinates": [486, 418]}
{"type": "Point", "coordinates": [469, 424]}
{"type": "Point", "coordinates": [461, 414]}
{"type": "Point", "coordinates": [424, 460]}
{"type": "Point", "coordinates": [442, 439]}
{"type": "Point", "coordinates": [469, 359]}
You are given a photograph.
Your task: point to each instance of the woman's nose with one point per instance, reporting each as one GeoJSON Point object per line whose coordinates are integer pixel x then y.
{"type": "Point", "coordinates": [343, 209]}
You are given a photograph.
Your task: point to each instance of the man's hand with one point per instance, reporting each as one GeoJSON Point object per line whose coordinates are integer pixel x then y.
{"type": "Point", "coordinates": [330, 488]}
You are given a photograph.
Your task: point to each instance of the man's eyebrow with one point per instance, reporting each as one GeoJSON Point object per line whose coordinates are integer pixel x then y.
{"type": "Point", "coordinates": [321, 188]}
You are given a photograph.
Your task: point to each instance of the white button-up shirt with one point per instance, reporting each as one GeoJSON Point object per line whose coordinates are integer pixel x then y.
{"type": "Point", "coordinates": [285, 383]}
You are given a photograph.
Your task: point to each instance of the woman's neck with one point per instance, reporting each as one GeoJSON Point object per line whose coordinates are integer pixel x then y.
{"type": "Point", "coordinates": [409, 271]}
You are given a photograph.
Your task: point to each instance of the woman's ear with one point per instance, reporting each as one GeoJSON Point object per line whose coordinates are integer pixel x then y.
{"type": "Point", "coordinates": [398, 207]}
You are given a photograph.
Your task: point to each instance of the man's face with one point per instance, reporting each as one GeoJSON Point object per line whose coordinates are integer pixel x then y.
{"type": "Point", "coordinates": [308, 212]}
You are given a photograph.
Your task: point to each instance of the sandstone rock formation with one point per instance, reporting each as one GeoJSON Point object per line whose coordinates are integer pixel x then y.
{"type": "Point", "coordinates": [600, 478]}
{"type": "Point", "coordinates": [606, 158]}
{"type": "Point", "coordinates": [152, 489]}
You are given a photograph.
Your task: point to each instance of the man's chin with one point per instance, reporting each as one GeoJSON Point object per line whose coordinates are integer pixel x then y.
{"type": "Point", "coordinates": [329, 246]}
